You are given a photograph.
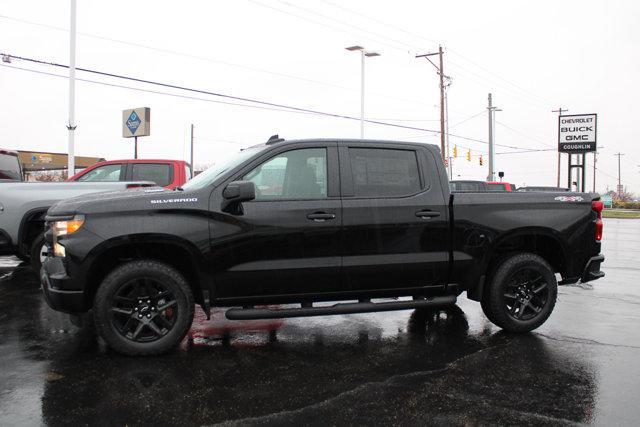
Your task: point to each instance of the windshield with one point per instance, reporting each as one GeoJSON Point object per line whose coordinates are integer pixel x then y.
{"type": "Point", "coordinates": [9, 167]}
{"type": "Point", "coordinates": [207, 177]}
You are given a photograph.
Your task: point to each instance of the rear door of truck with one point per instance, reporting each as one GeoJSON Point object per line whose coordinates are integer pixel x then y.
{"type": "Point", "coordinates": [394, 216]}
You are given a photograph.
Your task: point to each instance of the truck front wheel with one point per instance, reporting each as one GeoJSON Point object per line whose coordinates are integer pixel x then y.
{"type": "Point", "coordinates": [521, 294]}
{"type": "Point", "coordinates": [143, 308]}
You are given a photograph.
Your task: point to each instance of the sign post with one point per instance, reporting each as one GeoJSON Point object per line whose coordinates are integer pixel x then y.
{"type": "Point", "coordinates": [577, 135]}
{"type": "Point", "coordinates": [136, 122]}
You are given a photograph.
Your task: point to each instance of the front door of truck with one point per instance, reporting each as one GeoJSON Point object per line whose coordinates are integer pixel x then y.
{"type": "Point", "coordinates": [288, 238]}
{"type": "Point", "coordinates": [394, 217]}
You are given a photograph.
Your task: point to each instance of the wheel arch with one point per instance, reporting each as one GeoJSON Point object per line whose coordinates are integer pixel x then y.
{"type": "Point", "coordinates": [25, 230]}
{"type": "Point", "coordinates": [541, 241]}
{"type": "Point", "coordinates": [172, 250]}
{"type": "Point", "coordinates": [544, 242]}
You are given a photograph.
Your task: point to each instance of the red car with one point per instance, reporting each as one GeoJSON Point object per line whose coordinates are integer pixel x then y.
{"type": "Point", "coordinates": [500, 186]}
{"type": "Point", "coordinates": [165, 173]}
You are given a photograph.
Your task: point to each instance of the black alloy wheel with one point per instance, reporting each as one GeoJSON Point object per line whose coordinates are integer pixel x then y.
{"type": "Point", "coordinates": [527, 293]}
{"type": "Point", "coordinates": [143, 310]}
{"type": "Point", "coordinates": [521, 292]}
{"type": "Point", "coordinates": [143, 307]}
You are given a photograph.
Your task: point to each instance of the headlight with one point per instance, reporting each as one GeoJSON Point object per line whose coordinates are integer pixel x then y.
{"type": "Point", "coordinates": [63, 228]}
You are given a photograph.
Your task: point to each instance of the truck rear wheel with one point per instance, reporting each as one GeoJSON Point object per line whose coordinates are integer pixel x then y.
{"type": "Point", "coordinates": [143, 307]}
{"type": "Point", "coordinates": [521, 294]}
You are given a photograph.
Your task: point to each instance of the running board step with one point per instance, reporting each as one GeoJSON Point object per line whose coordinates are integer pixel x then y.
{"type": "Point", "coordinates": [340, 308]}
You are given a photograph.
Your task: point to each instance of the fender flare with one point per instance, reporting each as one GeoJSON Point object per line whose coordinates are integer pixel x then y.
{"type": "Point", "coordinates": [194, 255]}
{"type": "Point", "coordinates": [477, 291]}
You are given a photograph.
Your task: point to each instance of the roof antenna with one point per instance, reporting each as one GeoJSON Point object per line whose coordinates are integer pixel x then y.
{"type": "Point", "coordinates": [274, 139]}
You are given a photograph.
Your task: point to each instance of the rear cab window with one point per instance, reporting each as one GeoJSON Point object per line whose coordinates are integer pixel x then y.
{"type": "Point", "coordinates": [160, 173]}
{"type": "Point", "coordinates": [496, 187]}
{"type": "Point", "coordinates": [384, 172]}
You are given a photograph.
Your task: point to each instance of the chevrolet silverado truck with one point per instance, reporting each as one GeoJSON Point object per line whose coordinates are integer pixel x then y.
{"type": "Point", "coordinates": [23, 206]}
{"type": "Point", "coordinates": [313, 227]}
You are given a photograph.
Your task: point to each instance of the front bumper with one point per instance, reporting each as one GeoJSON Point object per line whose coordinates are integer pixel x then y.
{"type": "Point", "coordinates": [592, 269]}
{"type": "Point", "coordinates": [54, 281]}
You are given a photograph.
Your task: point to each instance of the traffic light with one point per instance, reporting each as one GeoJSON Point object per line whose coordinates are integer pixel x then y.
{"type": "Point", "coordinates": [469, 155]}
{"type": "Point", "coordinates": [480, 159]}
{"type": "Point", "coordinates": [455, 151]}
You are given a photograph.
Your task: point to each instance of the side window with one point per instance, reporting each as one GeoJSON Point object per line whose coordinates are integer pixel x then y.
{"type": "Point", "coordinates": [106, 173]}
{"type": "Point", "coordinates": [496, 187]}
{"type": "Point", "coordinates": [157, 172]}
{"type": "Point", "coordinates": [382, 172]}
{"type": "Point", "coordinates": [295, 174]}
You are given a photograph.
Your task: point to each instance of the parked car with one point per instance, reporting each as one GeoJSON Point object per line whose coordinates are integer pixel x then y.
{"type": "Point", "coordinates": [10, 167]}
{"type": "Point", "coordinates": [165, 173]}
{"type": "Point", "coordinates": [500, 186]}
{"type": "Point", "coordinates": [23, 206]}
{"type": "Point", "coordinates": [468, 186]}
{"type": "Point", "coordinates": [348, 220]}
{"type": "Point", "coordinates": [546, 189]}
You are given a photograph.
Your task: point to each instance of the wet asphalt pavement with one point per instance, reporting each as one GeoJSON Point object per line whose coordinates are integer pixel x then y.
{"type": "Point", "coordinates": [450, 366]}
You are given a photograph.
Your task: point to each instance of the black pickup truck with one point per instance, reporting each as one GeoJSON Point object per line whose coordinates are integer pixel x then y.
{"type": "Point", "coordinates": [282, 228]}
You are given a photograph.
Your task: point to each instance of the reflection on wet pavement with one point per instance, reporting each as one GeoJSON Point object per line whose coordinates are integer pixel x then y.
{"type": "Point", "coordinates": [448, 366]}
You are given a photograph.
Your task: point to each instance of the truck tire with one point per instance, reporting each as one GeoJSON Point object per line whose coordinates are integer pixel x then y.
{"type": "Point", "coordinates": [36, 252]}
{"type": "Point", "coordinates": [143, 308]}
{"type": "Point", "coordinates": [521, 294]}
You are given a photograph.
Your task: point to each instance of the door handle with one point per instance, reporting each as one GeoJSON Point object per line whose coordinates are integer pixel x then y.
{"type": "Point", "coordinates": [427, 214]}
{"type": "Point", "coordinates": [321, 216]}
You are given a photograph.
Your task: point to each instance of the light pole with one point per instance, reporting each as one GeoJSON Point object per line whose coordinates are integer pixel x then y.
{"type": "Point", "coordinates": [363, 53]}
{"type": "Point", "coordinates": [492, 125]}
{"type": "Point", "coordinates": [71, 161]}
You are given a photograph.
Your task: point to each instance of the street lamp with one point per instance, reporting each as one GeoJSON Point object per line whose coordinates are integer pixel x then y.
{"type": "Point", "coordinates": [363, 53]}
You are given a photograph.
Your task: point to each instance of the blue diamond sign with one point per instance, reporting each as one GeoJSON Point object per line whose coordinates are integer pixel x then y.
{"type": "Point", "coordinates": [135, 122]}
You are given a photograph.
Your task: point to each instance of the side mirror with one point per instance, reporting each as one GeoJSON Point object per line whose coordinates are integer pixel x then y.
{"type": "Point", "coordinates": [235, 193]}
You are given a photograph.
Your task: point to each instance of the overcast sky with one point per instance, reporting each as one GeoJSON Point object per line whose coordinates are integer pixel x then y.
{"type": "Point", "coordinates": [533, 56]}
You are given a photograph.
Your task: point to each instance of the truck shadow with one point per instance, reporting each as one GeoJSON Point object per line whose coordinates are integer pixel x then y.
{"type": "Point", "coordinates": [230, 373]}
{"type": "Point", "coordinates": [230, 370]}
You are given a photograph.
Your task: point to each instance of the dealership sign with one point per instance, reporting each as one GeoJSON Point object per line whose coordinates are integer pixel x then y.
{"type": "Point", "coordinates": [577, 133]}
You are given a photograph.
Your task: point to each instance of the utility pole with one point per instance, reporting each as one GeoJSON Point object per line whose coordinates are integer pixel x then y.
{"type": "Point", "coordinates": [191, 161]}
{"type": "Point", "coordinates": [71, 126]}
{"type": "Point", "coordinates": [440, 69]}
{"type": "Point", "coordinates": [442, 118]}
{"type": "Point", "coordinates": [595, 160]}
{"type": "Point", "coordinates": [619, 180]}
{"type": "Point", "coordinates": [450, 163]}
{"type": "Point", "coordinates": [560, 110]}
{"type": "Point", "coordinates": [491, 176]}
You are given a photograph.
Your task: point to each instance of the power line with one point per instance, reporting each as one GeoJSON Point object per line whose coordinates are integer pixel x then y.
{"type": "Point", "coordinates": [304, 18]}
{"type": "Point", "coordinates": [528, 93]}
{"type": "Point", "coordinates": [523, 134]}
{"type": "Point", "coordinates": [399, 42]}
{"type": "Point", "coordinates": [154, 91]}
{"type": "Point", "coordinates": [467, 119]}
{"type": "Point", "coordinates": [211, 60]}
{"type": "Point", "coordinates": [273, 105]}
